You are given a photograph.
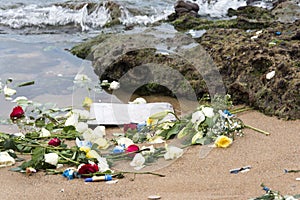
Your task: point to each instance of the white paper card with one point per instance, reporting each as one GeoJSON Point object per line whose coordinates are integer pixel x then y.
{"type": "Point", "coordinates": [119, 114]}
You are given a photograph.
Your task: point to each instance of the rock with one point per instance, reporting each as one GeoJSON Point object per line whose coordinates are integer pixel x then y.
{"type": "Point", "coordinates": [243, 63]}
{"type": "Point", "coordinates": [186, 8]}
{"type": "Point", "coordinates": [287, 12]}
{"type": "Point", "coordinates": [248, 17]}
{"type": "Point", "coordinates": [296, 36]}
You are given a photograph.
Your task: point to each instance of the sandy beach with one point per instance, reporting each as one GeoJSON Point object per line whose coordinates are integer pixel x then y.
{"type": "Point", "coordinates": [189, 177]}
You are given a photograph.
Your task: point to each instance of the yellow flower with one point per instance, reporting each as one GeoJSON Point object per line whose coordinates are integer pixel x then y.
{"type": "Point", "coordinates": [92, 154]}
{"type": "Point", "coordinates": [85, 149]}
{"type": "Point", "coordinates": [149, 121]}
{"type": "Point", "coordinates": [223, 141]}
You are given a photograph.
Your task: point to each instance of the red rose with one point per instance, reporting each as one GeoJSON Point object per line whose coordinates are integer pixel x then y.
{"type": "Point", "coordinates": [17, 113]}
{"type": "Point", "coordinates": [54, 142]}
{"type": "Point", "coordinates": [132, 148]}
{"type": "Point", "coordinates": [129, 126]}
{"type": "Point", "coordinates": [88, 168]}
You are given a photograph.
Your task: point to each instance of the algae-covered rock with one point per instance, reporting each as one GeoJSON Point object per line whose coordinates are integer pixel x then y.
{"type": "Point", "coordinates": [243, 59]}
{"type": "Point", "coordinates": [245, 62]}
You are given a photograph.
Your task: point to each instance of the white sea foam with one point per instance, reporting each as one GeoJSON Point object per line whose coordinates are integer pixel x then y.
{"type": "Point", "coordinates": [127, 18]}
{"type": "Point", "coordinates": [218, 8]}
{"type": "Point", "coordinates": [133, 12]}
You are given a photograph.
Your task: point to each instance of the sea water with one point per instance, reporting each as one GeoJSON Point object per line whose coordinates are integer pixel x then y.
{"type": "Point", "coordinates": [35, 36]}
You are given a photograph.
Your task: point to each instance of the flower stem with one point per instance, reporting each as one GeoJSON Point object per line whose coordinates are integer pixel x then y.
{"type": "Point", "coordinates": [68, 159]}
{"type": "Point", "coordinates": [239, 110]}
{"type": "Point", "coordinates": [256, 129]}
{"type": "Point", "coordinates": [152, 173]}
{"type": "Point", "coordinates": [173, 113]}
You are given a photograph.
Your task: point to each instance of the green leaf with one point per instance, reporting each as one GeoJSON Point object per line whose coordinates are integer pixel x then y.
{"type": "Point", "coordinates": [67, 129]}
{"type": "Point", "coordinates": [160, 115]}
{"type": "Point", "coordinates": [173, 131]}
{"type": "Point", "coordinates": [50, 126]}
{"type": "Point", "coordinates": [40, 122]}
{"type": "Point", "coordinates": [9, 144]}
{"type": "Point", "coordinates": [183, 132]}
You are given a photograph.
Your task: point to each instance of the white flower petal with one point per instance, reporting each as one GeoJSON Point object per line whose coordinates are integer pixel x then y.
{"type": "Point", "coordinates": [6, 160]}
{"type": "Point", "coordinates": [173, 153]}
{"type": "Point", "coordinates": [198, 116]}
{"type": "Point", "coordinates": [81, 127]}
{"type": "Point", "coordinates": [102, 164]}
{"type": "Point", "coordinates": [124, 141]}
{"type": "Point", "coordinates": [8, 91]}
{"type": "Point", "coordinates": [138, 100]}
{"type": "Point", "coordinates": [88, 135]}
{"type": "Point", "coordinates": [82, 114]}
{"type": "Point", "coordinates": [99, 131]}
{"type": "Point", "coordinates": [72, 120]}
{"type": "Point", "coordinates": [51, 158]}
{"type": "Point", "coordinates": [114, 85]}
{"type": "Point", "coordinates": [208, 112]}
{"type": "Point", "coordinates": [22, 98]}
{"type": "Point", "coordinates": [138, 161]}
{"type": "Point", "coordinates": [152, 149]}
{"type": "Point", "coordinates": [45, 133]}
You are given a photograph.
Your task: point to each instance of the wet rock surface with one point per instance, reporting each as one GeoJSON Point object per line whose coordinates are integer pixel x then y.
{"type": "Point", "coordinates": [245, 50]}
{"type": "Point", "coordinates": [245, 62]}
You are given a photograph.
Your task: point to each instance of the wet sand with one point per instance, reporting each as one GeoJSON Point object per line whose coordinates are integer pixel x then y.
{"type": "Point", "coordinates": [189, 177]}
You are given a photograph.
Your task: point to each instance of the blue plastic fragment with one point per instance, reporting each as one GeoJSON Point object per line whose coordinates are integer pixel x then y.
{"type": "Point", "coordinates": [278, 33]}
{"type": "Point", "coordinates": [69, 173]}
{"type": "Point", "coordinates": [227, 112]}
{"type": "Point", "coordinates": [118, 149]}
{"type": "Point", "coordinates": [266, 189]}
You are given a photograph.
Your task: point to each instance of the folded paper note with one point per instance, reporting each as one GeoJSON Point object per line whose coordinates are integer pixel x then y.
{"type": "Point", "coordinates": [119, 114]}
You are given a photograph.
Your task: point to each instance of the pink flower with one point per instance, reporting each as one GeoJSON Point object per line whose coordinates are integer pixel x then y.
{"type": "Point", "coordinates": [88, 168]}
{"type": "Point", "coordinates": [17, 113]}
{"type": "Point", "coordinates": [132, 148]}
{"type": "Point", "coordinates": [129, 126]}
{"type": "Point", "coordinates": [54, 142]}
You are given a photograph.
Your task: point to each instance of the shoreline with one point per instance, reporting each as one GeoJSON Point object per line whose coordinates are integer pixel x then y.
{"type": "Point", "coordinates": [189, 176]}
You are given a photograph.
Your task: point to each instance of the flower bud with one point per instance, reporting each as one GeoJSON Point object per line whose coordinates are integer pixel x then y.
{"type": "Point", "coordinates": [17, 113]}
{"type": "Point", "coordinates": [54, 142]}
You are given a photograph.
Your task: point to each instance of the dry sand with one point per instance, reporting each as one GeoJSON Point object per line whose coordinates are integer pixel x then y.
{"type": "Point", "coordinates": [189, 177]}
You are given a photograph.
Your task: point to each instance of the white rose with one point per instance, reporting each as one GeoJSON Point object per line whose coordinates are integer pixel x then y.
{"type": "Point", "coordinates": [51, 158]}
{"type": "Point", "coordinates": [8, 91]}
{"type": "Point", "coordinates": [208, 112]}
{"type": "Point", "coordinates": [99, 131]}
{"type": "Point", "coordinates": [124, 141]}
{"type": "Point", "coordinates": [114, 85]}
{"type": "Point", "coordinates": [102, 164]}
{"type": "Point", "coordinates": [139, 100]}
{"type": "Point", "coordinates": [88, 135]}
{"type": "Point", "coordinates": [45, 133]}
{"type": "Point", "coordinates": [72, 120]}
{"type": "Point", "coordinates": [81, 127]}
{"type": "Point", "coordinates": [138, 161]}
{"type": "Point", "coordinates": [82, 114]}
{"type": "Point", "coordinates": [6, 159]}
{"type": "Point", "coordinates": [198, 116]}
{"type": "Point", "coordinates": [173, 153]}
